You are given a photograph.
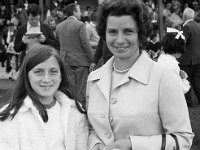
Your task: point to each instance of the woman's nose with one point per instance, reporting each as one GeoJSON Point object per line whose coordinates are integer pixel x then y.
{"type": "Point", "coordinates": [120, 38]}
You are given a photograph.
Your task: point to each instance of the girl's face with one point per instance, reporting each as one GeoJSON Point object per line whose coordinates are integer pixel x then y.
{"type": "Point", "coordinates": [122, 37]}
{"type": "Point", "coordinates": [45, 79]}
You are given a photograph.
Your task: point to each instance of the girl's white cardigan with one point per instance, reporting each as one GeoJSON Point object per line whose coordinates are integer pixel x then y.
{"type": "Point", "coordinates": [26, 130]}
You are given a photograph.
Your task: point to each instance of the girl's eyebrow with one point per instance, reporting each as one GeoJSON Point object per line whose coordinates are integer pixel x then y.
{"type": "Point", "coordinates": [45, 68]}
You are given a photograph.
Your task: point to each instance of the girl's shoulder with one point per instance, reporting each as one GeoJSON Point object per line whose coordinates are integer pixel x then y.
{"type": "Point", "coordinates": [9, 133]}
{"type": "Point", "coordinates": [76, 113]}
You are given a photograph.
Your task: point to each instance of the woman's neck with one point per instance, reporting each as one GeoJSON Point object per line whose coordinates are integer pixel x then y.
{"type": "Point", "coordinates": [125, 64]}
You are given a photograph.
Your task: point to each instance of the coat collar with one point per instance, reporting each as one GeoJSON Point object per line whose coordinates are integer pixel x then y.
{"type": "Point", "coordinates": [72, 18]}
{"type": "Point", "coordinates": [187, 22]}
{"type": "Point", "coordinates": [28, 103]}
{"type": "Point", "coordinates": [140, 70]}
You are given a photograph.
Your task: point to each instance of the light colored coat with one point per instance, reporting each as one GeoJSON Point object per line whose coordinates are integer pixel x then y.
{"type": "Point", "coordinates": [26, 130]}
{"type": "Point", "coordinates": [145, 104]}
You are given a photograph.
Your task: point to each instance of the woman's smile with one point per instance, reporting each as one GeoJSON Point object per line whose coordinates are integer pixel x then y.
{"type": "Point", "coordinates": [121, 49]}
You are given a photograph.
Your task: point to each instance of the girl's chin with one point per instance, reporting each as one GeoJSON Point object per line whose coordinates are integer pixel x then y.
{"type": "Point", "coordinates": [47, 93]}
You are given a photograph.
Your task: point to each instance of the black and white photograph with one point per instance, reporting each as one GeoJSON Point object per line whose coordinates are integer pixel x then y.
{"type": "Point", "coordinates": [99, 74]}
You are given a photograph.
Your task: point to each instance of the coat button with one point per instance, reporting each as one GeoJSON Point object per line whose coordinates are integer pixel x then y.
{"type": "Point", "coordinates": [108, 135]}
{"type": "Point", "coordinates": [113, 101]}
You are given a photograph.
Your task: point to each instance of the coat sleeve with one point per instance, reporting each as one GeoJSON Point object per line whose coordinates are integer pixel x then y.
{"type": "Point", "coordinates": [18, 44]}
{"type": "Point", "coordinates": [174, 116]}
{"type": "Point", "coordinates": [50, 38]}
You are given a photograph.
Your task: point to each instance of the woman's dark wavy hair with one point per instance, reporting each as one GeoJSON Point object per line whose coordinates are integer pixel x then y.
{"type": "Point", "coordinates": [171, 45]}
{"type": "Point", "coordinates": [136, 8]}
{"type": "Point", "coordinates": [22, 88]}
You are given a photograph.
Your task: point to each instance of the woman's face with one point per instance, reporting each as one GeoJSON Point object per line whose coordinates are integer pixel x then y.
{"type": "Point", "coordinates": [45, 78]}
{"type": "Point", "coordinates": [122, 37]}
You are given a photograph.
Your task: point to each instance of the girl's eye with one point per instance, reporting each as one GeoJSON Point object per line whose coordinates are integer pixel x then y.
{"type": "Point", "coordinates": [38, 72]}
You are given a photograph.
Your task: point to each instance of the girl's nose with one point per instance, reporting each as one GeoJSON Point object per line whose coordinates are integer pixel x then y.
{"type": "Point", "coordinates": [46, 78]}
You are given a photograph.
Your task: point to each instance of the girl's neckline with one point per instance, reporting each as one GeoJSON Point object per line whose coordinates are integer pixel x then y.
{"type": "Point", "coordinates": [49, 106]}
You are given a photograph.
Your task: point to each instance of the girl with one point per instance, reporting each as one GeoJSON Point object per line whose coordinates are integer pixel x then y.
{"type": "Point", "coordinates": [44, 112]}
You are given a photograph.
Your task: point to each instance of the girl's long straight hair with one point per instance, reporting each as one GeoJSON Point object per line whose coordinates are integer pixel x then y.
{"type": "Point", "coordinates": [22, 87]}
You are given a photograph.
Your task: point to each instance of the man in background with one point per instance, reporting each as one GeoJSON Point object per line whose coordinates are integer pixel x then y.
{"type": "Point", "coordinates": [190, 60]}
{"type": "Point", "coordinates": [74, 45]}
{"type": "Point", "coordinates": [22, 41]}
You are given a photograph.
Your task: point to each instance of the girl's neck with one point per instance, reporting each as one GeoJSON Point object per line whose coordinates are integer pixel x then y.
{"type": "Point", "coordinates": [46, 100]}
{"type": "Point", "coordinates": [48, 106]}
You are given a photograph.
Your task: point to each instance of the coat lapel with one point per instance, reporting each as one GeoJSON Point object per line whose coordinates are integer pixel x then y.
{"type": "Point", "coordinates": [104, 83]}
{"type": "Point", "coordinates": [102, 77]}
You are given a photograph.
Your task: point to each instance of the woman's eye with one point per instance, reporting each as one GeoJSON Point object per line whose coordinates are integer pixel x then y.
{"type": "Point", "coordinates": [112, 32]}
{"type": "Point", "coordinates": [129, 32]}
{"type": "Point", "coordinates": [54, 71]}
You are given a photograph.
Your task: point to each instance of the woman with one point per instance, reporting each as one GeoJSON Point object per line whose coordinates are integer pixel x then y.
{"type": "Point", "coordinates": [132, 102]}
{"type": "Point", "coordinates": [44, 112]}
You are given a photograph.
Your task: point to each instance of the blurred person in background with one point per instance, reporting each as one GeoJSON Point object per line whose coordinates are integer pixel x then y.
{"type": "Point", "coordinates": [22, 14]}
{"type": "Point", "coordinates": [190, 60]}
{"type": "Point", "coordinates": [75, 48]}
{"type": "Point", "coordinates": [173, 48]}
{"type": "Point", "coordinates": [91, 33]}
{"type": "Point", "coordinates": [33, 26]}
{"type": "Point", "coordinates": [3, 55]}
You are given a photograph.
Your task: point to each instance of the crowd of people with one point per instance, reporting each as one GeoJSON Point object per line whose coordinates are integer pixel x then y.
{"type": "Point", "coordinates": [100, 80]}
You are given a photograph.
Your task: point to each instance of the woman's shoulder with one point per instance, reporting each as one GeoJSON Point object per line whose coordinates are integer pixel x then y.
{"type": "Point", "coordinates": [161, 69]}
{"type": "Point", "coordinates": [94, 73]}
{"type": "Point", "coordinates": [102, 71]}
